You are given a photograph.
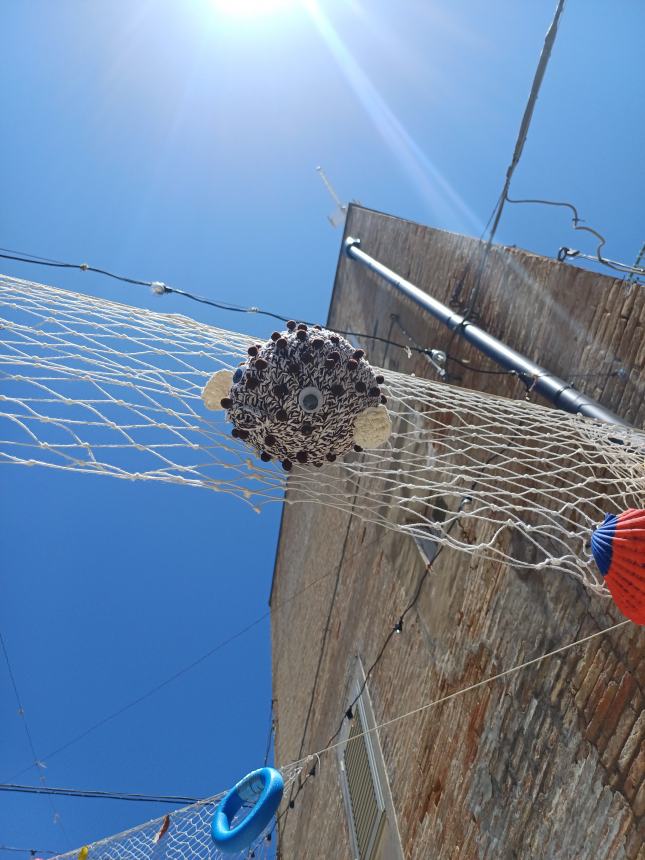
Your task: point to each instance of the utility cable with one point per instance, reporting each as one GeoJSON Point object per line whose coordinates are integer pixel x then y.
{"type": "Point", "coordinates": [463, 690]}
{"type": "Point", "coordinates": [226, 306]}
{"type": "Point", "coordinates": [110, 795]}
{"type": "Point", "coordinates": [176, 675]}
{"type": "Point", "coordinates": [182, 800]}
{"type": "Point", "coordinates": [267, 751]}
{"type": "Point", "coordinates": [450, 696]}
{"type": "Point", "coordinates": [159, 288]}
{"type": "Point", "coordinates": [522, 135]}
{"type": "Point", "coordinates": [528, 380]}
{"type": "Point", "coordinates": [578, 224]}
{"type": "Point", "coordinates": [442, 700]}
{"type": "Point", "coordinates": [149, 692]}
{"type": "Point", "coordinates": [543, 62]}
{"type": "Point", "coordinates": [323, 645]}
{"type": "Point", "coordinates": [21, 711]}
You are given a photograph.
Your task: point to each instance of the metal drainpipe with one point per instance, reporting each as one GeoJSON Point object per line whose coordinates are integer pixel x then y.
{"type": "Point", "coordinates": [562, 394]}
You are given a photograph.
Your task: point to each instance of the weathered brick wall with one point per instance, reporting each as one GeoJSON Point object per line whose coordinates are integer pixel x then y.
{"type": "Point", "coordinates": [548, 763]}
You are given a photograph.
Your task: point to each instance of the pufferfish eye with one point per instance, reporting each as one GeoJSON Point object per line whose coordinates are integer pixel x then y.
{"type": "Point", "coordinates": [310, 399]}
{"type": "Point", "coordinates": [239, 373]}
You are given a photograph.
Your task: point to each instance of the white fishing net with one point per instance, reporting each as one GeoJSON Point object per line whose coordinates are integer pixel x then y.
{"type": "Point", "coordinates": [184, 834]}
{"type": "Point", "coordinates": [95, 386]}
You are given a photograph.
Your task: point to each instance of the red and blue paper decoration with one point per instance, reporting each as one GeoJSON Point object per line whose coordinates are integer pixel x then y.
{"type": "Point", "coordinates": [618, 547]}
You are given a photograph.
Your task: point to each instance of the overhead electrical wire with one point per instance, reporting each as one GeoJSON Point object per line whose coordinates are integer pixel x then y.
{"type": "Point", "coordinates": [175, 676]}
{"type": "Point", "coordinates": [396, 629]}
{"type": "Point", "coordinates": [639, 259]}
{"type": "Point", "coordinates": [21, 711]}
{"type": "Point", "coordinates": [131, 704]}
{"type": "Point", "coordinates": [525, 124]}
{"type": "Point", "coordinates": [267, 751]}
{"type": "Point", "coordinates": [496, 214]}
{"type": "Point", "coordinates": [493, 222]}
{"type": "Point", "coordinates": [456, 693]}
{"type": "Point", "coordinates": [449, 697]}
{"type": "Point", "coordinates": [160, 288]}
{"type": "Point", "coordinates": [109, 795]}
{"type": "Point", "coordinates": [157, 286]}
{"type": "Point", "coordinates": [463, 690]}
{"type": "Point", "coordinates": [578, 224]}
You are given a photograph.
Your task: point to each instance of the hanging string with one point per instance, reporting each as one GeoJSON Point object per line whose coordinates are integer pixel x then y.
{"type": "Point", "coordinates": [329, 747]}
{"type": "Point", "coordinates": [246, 629]}
{"type": "Point", "coordinates": [469, 688]}
{"type": "Point", "coordinates": [442, 700]}
{"type": "Point", "coordinates": [37, 762]}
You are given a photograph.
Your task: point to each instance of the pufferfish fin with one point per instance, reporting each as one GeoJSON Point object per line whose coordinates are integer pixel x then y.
{"type": "Point", "coordinates": [217, 387]}
{"type": "Point", "coordinates": [372, 427]}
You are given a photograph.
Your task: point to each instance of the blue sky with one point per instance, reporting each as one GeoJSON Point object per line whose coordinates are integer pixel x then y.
{"type": "Point", "coordinates": [178, 142]}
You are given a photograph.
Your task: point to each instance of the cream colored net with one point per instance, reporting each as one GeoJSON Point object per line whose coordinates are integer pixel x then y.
{"type": "Point", "coordinates": [95, 386]}
{"type": "Point", "coordinates": [184, 834]}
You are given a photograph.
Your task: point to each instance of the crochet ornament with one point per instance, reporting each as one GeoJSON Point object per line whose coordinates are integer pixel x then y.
{"type": "Point", "coordinates": [618, 546]}
{"type": "Point", "coordinates": [306, 396]}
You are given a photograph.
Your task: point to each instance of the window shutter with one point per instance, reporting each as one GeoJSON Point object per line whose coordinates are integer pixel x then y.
{"type": "Point", "coordinates": [365, 796]}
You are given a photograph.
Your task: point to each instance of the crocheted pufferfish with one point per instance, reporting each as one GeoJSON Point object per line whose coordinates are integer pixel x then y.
{"type": "Point", "coordinates": [305, 396]}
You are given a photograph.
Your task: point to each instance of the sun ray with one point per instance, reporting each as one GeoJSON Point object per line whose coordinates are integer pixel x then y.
{"type": "Point", "coordinates": [250, 8]}
{"type": "Point", "coordinates": [444, 201]}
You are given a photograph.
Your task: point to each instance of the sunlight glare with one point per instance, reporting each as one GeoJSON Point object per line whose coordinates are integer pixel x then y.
{"type": "Point", "coordinates": [251, 8]}
{"type": "Point", "coordinates": [444, 201]}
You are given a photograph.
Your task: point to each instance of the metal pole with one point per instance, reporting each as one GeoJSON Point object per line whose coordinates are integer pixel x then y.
{"type": "Point", "coordinates": [562, 394]}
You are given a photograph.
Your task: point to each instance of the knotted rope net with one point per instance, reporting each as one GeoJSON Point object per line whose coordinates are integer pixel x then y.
{"type": "Point", "coordinates": [90, 385]}
{"type": "Point", "coordinates": [184, 834]}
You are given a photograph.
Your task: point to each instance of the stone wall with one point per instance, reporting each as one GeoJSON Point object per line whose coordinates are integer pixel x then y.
{"type": "Point", "coordinates": [547, 763]}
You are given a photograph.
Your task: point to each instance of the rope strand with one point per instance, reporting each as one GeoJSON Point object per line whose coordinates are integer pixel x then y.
{"type": "Point", "coordinates": [468, 689]}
